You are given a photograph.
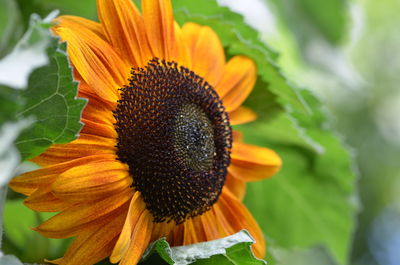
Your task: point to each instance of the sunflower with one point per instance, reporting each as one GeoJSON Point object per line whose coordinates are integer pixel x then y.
{"type": "Point", "coordinates": [156, 156]}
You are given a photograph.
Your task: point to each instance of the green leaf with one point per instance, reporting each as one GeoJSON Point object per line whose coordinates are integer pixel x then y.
{"type": "Point", "coordinates": [3, 193]}
{"type": "Point", "coordinates": [50, 96]}
{"type": "Point", "coordinates": [311, 200]}
{"type": "Point", "coordinates": [10, 128]}
{"type": "Point", "coordinates": [10, 104]}
{"type": "Point", "coordinates": [309, 19]}
{"type": "Point", "coordinates": [231, 250]}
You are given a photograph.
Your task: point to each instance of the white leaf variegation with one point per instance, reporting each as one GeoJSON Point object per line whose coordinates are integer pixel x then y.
{"type": "Point", "coordinates": [28, 54]}
{"type": "Point", "coordinates": [9, 155]}
{"type": "Point", "coordinates": [9, 260]}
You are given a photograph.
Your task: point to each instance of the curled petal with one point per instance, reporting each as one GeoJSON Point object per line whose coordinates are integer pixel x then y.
{"type": "Point", "coordinates": [253, 163]}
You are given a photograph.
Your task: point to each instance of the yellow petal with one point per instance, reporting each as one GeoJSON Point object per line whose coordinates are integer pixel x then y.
{"type": "Point", "coordinates": [98, 129]}
{"type": "Point", "coordinates": [83, 216]}
{"type": "Point", "coordinates": [236, 186]}
{"type": "Point", "coordinates": [237, 136]}
{"type": "Point", "coordinates": [85, 145]}
{"type": "Point", "coordinates": [160, 29]}
{"type": "Point", "coordinates": [136, 209]}
{"type": "Point", "coordinates": [93, 245]}
{"type": "Point", "coordinates": [206, 51]}
{"type": "Point", "coordinates": [28, 182]}
{"type": "Point", "coordinates": [238, 79]}
{"type": "Point", "coordinates": [222, 223]}
{"type": "Point", "coordinates": [97, 110]}
{"type": "Point", "coordinates": [139, 240]}
{"type": "Point", "coordinates": [123, 24]}
{"type": "Point", "coordinates": [43, 200]}
{"type": "Point", "coordinates": [190, 234]}
{"type": "Point", "coordinates": [253, 163]}
{"type": "Point", "coordinates": [94, 58]}
{"type": "Point", "coordinates": [182, 57]}
{"type": "Point", "coordinates": [86, 23]}
{"type": "Point", "coordinates": [208, 220]}
{"type": "Point", "coordinates": [162, 229]}
{"type": "Point", "coordinates": [175, 237]}
{"type": "Point", "coordinates": [240, 218]}
{"type": "Point", "coordinates": [242, 115]}
{"type": "Point", "coordinates": [92, 181]}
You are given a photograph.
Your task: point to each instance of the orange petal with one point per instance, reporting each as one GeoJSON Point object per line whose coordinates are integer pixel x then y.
{"type": "Point", "coordinates": [93, 26]}
{"type": "Point", "coordinates": [208, 226]}
{"type": "Point", "coordinates": [237, 82]}
{"type": "Point", "coordinates": [43, 200]}
{"type": "Point", "coordinates": [85, 145]}
{"type": "Point", "coordinates": [125, 30]}
{"type": "Point", "coordinates": [95, 60]}
{"type": "Point", "coordinates": [191, 235]}
{"type": "Point", "coordinates": [242, 115]}
{"type": "Point", "coordinates": [98, 129]}
{"type": "Point", "coordinates": [84, 216]}
{"type": "Point", "coordinates": [183, 57]}
{"type": "Point", "coordinates": [136, 209]}
{"type": "Point", "coordinates": [175, 238]}
{"type": "Point", "coordinates": [240, 218]}
{"type": "Point", "coordinates": [161, 230]}
{"type": "Point", "coordinates": [92, 181]}
{"type": "Point", "coordinates": [83, 87]}
{"type": "Point", "coordinates": [253, 163]}
{"type": "Point", "coordinates": [236, 186]}
{"type": "Point", "coordinates": [206, 51]}
{"type": "Point", "coordinates": [97, 110]}
{"type": "Point", "coordinates": [86, 91]}
{"type": "Point", "coordinates": [139, 240]}
{"type": "Point", "coordinates": [237, 136]}
{"type": "Point", "coordinates": [160, 28]}
{"type": "Point", "coordinates": [211, 231]}
{"type": "Point", "coordinates": [28, 182]}
{"type": "Point", "coordinates": [54, 261]}
{"type": "Point", "coordinates": [198, 229]}
{"type": "Point", "coordinates": [222, 223]}
{"type": "Point", "coordinates": [94, 245]}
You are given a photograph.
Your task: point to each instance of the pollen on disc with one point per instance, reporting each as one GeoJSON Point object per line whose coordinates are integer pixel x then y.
{"type": "Point", "coordinates": [193, 138]}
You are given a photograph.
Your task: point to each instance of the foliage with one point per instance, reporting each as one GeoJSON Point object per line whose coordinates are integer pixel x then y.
{"type": "Point", "coordinates": [231, 250]}
{"type": "Point", "coordinates": [308, 19]}
{"type": "Point", "coordinates": [55, 109]}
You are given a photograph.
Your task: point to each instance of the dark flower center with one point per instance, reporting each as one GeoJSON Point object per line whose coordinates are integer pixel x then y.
{"type": "Point", "coordinates": [174, 134]}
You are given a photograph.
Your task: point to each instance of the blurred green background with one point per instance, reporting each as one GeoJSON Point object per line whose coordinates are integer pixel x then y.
{"type": "Point", "coordinates": [348, 53]}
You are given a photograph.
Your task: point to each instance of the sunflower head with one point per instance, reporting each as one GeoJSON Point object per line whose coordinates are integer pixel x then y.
{"type": "Point", "coordinates": [174, 134]}
{"type": "Point", "coordinates": [157, 156]}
